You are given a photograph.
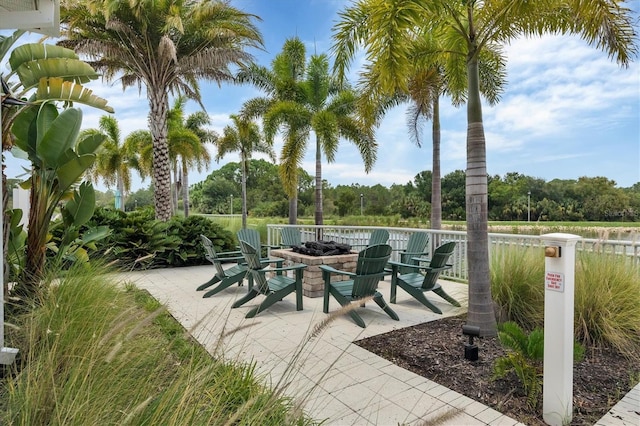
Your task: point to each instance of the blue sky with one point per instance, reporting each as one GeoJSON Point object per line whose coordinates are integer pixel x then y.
{"type": "Point", "coordinates": [567, 111]}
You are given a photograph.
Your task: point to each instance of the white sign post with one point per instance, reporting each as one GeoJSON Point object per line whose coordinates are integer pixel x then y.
{"type": "Point", "coordinates": [557, 395]}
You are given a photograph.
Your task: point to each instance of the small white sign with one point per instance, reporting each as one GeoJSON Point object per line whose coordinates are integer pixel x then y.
{"type": "Point", "coordinates": [554, 281]}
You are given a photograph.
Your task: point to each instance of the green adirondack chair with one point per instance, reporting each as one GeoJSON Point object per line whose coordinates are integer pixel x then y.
{"type": "Point", "coordinates": [362, 283]}
{"type": "Point", "coordinates": [225, 277]}
{"type": "Point", "coordinates": [417, 284]}
{"type": "Point", "coordinates": [290, 237]}
{"type": "Point", "coordinates": [416, 247]}
{"type": "Point", "coordinates": [378, 236]}
{"type": "Point", "coordinates": [275, 288]}
{"type": "Point", "coordinates": [252, 237]}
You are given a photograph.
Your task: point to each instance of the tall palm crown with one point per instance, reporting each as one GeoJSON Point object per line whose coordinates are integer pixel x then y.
{"type": "Point", "coordinates": [166, 46]}
{"type": "Point", "coordinates": [304, 97]}
{"type": "Point", "coordinates": [243, 136]}
{"type": "Point", "coordinates": [114, 159]}
{"type": "Point", "coordinates": [186, 150]}
{"type": "Point", "coordinates": [466, 28]}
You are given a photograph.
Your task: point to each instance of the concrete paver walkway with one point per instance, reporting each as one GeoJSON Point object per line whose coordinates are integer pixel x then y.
{"type": "Point", "coordinates": [333, 378]}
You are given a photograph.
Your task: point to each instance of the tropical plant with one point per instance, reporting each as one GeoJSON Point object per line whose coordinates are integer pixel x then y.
{"type": "Point", "coordinates": [43, 72]}
{"type": "Point", "coordinates": [464, 30]}
{"type": "Point", "coordinates": [243, 136]}
{"type": "Point", "coordinates": [195, 122]}
{"type": "Point", "coordinates": [115, 159]}
{"type": "Point", "coordinates": [525, 353]}
{"type": "Point", "coordinates": [58, 160]}
{"type": "Point", "coordinates": [281, 83]}
{"type": "Point", "coordinates": [186, 149]}
{"type": "Point", "coordinates": [166, 47]}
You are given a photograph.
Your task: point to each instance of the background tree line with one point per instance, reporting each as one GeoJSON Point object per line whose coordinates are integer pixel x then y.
{"type": "Point", "coordinates": [511, 197]}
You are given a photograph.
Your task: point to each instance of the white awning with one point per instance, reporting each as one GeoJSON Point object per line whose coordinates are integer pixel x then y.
{"type": "Point", "coordinates": [41, 16]}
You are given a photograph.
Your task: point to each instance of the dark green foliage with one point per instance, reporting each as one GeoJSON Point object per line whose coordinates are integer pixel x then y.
{"type": "Point", "coordinates": [525, 354]}
{"type": "Point", "coordinates": [189, 230]}
{"type": "Point", "coordinates": [138, 241]}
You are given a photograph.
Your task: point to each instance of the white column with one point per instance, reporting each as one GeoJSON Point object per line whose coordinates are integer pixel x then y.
{"type": "Point", "coordinates": [557, 398]}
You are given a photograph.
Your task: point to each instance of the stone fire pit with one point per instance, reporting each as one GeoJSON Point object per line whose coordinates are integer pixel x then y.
{"type": "Point", "coordinates": [312, 283]}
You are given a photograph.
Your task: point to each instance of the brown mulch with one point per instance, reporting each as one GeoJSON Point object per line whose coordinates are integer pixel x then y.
{"type": "Point", "coordinates": [435, 350]}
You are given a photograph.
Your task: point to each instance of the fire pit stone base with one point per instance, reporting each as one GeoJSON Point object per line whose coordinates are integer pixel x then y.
{"type": "Point", "coordinates": [312, 283]}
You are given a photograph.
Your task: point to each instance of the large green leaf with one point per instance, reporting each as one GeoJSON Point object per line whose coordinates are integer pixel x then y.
{"type": "Point", "coordinates": [90, 144]}
{"type": "Point", "coordinates": [69, 173]}
{"type": "Point", "coordinates": [47, 114]}
{"type": "Point", "coordinates": [57, 89]}
{"type": "Point", "coordinates": [60, 136]}
{"type": "Point", "coordinates": [7, 41]}
{"type": "Point", "coordinates": [95, 234]}
{"type": "Point", "coordinates": [25, 131]}
{"type": "Point", "coordinates": [80, 208]}
{"type": "Point", "coordinates": [34, 51]}
{"type": "Point", "coordinates": [30, 73]}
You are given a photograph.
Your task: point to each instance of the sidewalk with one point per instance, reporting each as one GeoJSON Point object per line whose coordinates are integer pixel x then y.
{"type": "Point", "coordinates": [333, 378]}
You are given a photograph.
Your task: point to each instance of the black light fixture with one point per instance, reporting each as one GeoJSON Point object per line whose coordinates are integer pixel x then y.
{"type": "Point", "coordinates": [471, 349]}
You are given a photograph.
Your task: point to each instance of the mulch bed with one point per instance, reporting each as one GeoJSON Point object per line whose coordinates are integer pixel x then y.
{"type": "Point", "coordinates": [435, 350]}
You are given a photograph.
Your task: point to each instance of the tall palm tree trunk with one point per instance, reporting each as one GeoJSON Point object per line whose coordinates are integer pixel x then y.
{"type": "Point", "coordinates": [159, 107]}
{"type": "Point", "coordinates": [244, 193]}
{"type": "Point", "coordinates": [293, 208]}
{"type": "Point", "coordinates": [185, 189]}
{"type": "Point", "coordinates": [436, 186]}
{"type": "Point", "coordinates": [120, 186]}
{"type": "Point", "coordinates": [318, 212]}
{"type": "Point", "coordinates": [481, 311]}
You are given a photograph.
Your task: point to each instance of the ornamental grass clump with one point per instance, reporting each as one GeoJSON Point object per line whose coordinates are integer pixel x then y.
{"type": "Point", "coordinates": [607, 302]}
{"type": "Point", "coordinates": [607, 295]}
{"type": "Point", "coordinates": [96, 354]}
{"type": "Point", "coordinates": [517, 277]}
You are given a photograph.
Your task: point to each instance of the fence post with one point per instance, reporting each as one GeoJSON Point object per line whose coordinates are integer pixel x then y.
{"type": "Point", "coordinates": [557, 395]}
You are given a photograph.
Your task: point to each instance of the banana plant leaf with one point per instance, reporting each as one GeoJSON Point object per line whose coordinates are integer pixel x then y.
{"type": "Point", "coordinates": [56, 88]}
{"type": "Point", "coordinates": [34, 51]}
{"type": "Point", "coordinates": [30, 73]}
{"type": "Point", "coordinates": [79, 210]}
{"type": "Point", "coordinates": [58, 135]}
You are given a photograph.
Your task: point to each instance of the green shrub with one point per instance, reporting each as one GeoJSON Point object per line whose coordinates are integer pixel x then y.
{"type": "Point", "coordinates": [525, 354]}
{"type": "Point", "coordinates": [91, 354]}
{"type": "Point", "coordinates": [524, 358]}
{"type": "Point", "coordinates": [138, 241]}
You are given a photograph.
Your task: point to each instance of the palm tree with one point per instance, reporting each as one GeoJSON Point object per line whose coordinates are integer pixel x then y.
{"type": "Point", "coordinates": [466, 28]}
{"type": "Point", "coordinates": [195, 123]}
{"type": "Point", "coordinates": [281, 83]}
{"type": "Point", "coordinates": [114, 159]}
{"type": "Point", "coordinates": [316, 104]}
{"type": "Point", "coordinates": [165, 46]}
{"type": "Point", "coordinates": [243, 136]}
{"type": "Point", "coordinates": [186, 149]}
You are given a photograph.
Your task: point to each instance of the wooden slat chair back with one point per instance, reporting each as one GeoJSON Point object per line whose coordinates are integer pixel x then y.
{"type": "Point", "coordinates": [417, 284]}
{"type": "Point", "coordinates": [275, 288]}
{"type": "Point", "coordinates": [378, 236]}
{"type": "Point", "coordinates": [370, 270]}
{"type": "Point", "coordinates": [225, 277]}
{"type": "Point", "coordinates": [362, 283]}
{"type": "Point", "coordinates": [290, 237]}
{"type": "Point", "coordinates": [416, 247]}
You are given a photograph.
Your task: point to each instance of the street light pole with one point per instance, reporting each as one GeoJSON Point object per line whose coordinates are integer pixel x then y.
{"type": "Point", "coordinates": [529, 206]}
{"type": "Point", "coordinates": [231, 204]}
{"type": "Point", "coordinates": [361, 204]}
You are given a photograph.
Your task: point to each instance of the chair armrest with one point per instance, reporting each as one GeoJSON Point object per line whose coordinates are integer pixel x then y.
{"type": "Point", "coordinates": [287, 268]}
{"type": "Point", "coordinates": [395, 266]}
{"type": "Point", "coordinates": [418, 253]}
{"type": "Point", "coordinates": [331, 270]}
{"type": "Point", "coordinates": [227, 258]}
